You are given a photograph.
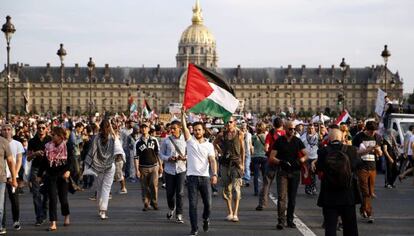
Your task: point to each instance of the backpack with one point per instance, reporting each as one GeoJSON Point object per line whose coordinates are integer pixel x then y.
{"type": "Point", "coordinates": [338, 173]}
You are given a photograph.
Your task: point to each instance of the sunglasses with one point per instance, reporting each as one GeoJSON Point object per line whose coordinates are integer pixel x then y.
{"type": "Point", "coordinates": [42, 128]}
{"type": "Point", "coordinates": [290, 129]}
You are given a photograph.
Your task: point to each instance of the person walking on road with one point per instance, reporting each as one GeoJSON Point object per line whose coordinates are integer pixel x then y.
{"type": "Point", "coordinates": [100, 160]}
{"type": "Point", "coordinates": [231, 166]}
{"type": "Point", "coordinates": [35, 155]}
{"type": "Point", "coordinates": [289, 154]}
{"type": "Point", "coordinates": [60, 158]}
{"type": "Point", "coordinates": [271, 170]}
{"type": "Point", "coordinates": [369, 148]}
{"type": "Point", "coordinates": [339, 191]}
{"type": "Point", "coordinates": [148, 167]}
{"type": "Point", "coordinates": [173, 154]}
{"type": "Point", "coordinates": [200, 159]}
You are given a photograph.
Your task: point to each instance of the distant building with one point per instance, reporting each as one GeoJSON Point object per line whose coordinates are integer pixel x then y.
{"type": "Point", "coordinates": [260, 89]}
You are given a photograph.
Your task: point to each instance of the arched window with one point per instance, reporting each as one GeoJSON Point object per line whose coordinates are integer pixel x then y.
{"type": "Point", "coordinates": [202, 50]}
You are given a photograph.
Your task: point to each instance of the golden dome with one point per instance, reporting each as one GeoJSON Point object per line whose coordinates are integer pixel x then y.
{"type": "Point", "coordinates": [197, 33]}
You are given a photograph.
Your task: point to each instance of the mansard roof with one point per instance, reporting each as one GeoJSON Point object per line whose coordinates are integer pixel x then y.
{"type": "Point", "coordinates": [238, 75]}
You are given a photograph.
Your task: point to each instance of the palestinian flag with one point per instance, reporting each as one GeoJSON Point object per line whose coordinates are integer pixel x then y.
{"type": "Point", "coordinates": [207, 92]}
{"type": "Point", "coordinates": [343, 117]}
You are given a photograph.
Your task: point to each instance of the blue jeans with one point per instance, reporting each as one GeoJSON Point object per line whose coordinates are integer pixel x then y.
{"type": "Point", "coordinates": [259, 164]}
{"type": "Point", "coordinates": [247, 161]}
{"type": "Point", "coordinates": [39, 196]}
{"type": "Point", "coordinates": [196, 184]}
{"type": "Point", "coordinates": [2, 195]}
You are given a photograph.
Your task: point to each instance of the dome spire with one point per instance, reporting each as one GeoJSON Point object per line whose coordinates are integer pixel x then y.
{"type": "Point", "coordinates": [197, 14]}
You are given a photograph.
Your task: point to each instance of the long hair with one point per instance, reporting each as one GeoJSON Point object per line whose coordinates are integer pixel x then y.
{"type": "Point", "coordinates": [104, 130]}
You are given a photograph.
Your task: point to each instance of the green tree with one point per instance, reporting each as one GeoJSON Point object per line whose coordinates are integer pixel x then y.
{"type": "Point", "coordinates": [410, 99]}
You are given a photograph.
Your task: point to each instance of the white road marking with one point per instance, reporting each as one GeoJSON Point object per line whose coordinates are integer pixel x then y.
{"type": "Point", "coordinates": [299, 223]}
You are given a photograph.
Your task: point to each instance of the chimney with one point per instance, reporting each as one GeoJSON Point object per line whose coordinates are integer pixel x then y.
{"type": "Point", "coordinates": [47, 68]}
{"type": "Point", "coordinates": [107, 72]}
{"type": "Point", "coordinates": [333, 70]}
{"type": "Point", "coordinates": [319, 70]}
{"type": "Point", "coordinates": [77, 72]}
{"type": "Point", "coordinates": [289, 70]}
{"type": "Point", "coordinates": [238, 72]}
{"type": "Point", "coordinates": [303, 70]}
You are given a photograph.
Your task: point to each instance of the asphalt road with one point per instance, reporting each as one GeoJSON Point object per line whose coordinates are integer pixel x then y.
{"type": "Point", "coordinates": [393, 212]}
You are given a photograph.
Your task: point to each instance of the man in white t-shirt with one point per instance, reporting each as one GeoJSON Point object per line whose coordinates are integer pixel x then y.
{"type": "Point", "coordinates": [200, 158]}
{"type": "Point", "coordinates": [17, 151]}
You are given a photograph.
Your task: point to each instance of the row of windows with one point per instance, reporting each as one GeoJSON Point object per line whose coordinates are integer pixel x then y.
{"type": "Point", "coordinates": [193, 50]}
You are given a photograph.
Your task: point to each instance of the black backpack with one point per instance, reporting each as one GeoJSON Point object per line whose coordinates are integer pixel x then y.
{"type": "Point", "coordinates": [338, 172]}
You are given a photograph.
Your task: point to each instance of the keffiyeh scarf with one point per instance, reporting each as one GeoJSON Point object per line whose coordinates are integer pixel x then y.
{"type": "Point", "coordinates": [56, 155]}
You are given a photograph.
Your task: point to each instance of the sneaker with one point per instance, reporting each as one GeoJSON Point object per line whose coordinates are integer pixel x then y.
{"type": "Point", "coordinates": [103, 215]}
{"type": "Point", "coordinates": [193, 233]}
{"type": "Point", "coordinates": [92, 198]}
{"type": "Point", "coordinates": [279, 226]}
{"type": "Point", "coordinates": [370, 220]}
{"type": "Point", "coordinates": [291, 225]}
{"type": "Point", "coordinates": [180, 219]}
{"type": "Point", "coordinates": [123, 191]}
{"type": "Point", "coordinates": [259, 208]}
{"type": "Point", "coordinates": [235, 218]}
{"type": "Point", "coordinates": [215, 193]}
{"type": "Point", "coordinates": [39, 222]}
{"type": "Point", "coordinates": [3, 231]}
{"type": "Point", "coordinates": [170, 215]}
{"type": "Point", "coordinates": [16, 225]}
{"type": "Point", "coordinates": [163, 185]}
{"type": "Point", "coordinates": [110, 196]}
{"type": "Point", "coordinates": [206, 223]}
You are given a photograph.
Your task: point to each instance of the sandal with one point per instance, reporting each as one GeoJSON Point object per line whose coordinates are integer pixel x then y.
{"type": "Point", "coordinates": [51, 229]}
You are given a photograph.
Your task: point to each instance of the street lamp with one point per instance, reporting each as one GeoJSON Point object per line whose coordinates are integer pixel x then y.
{"type": "Point", "coordinates": [61, 53]}
{"type": "Point", "coordinates": [91, 67]}
{"type": "Point", "coordinates": [385, 54]}
{"type": "Point", "coordinates": [343, 66]}
{"type": "Point", "coordinates": [8, 30]}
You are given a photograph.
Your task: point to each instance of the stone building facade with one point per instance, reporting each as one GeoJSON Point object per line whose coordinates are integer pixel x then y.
{"type": "Point", "coordinates": [259, 89]}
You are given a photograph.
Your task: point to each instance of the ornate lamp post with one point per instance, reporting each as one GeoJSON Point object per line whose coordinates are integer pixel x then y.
{"type": "Point", "coordinates": [91, 67]}
{"type": "Point", "coordinates": [8, 30]}
{"type": "Point", "coordinates": [385, 54]}
{"type": "Point", "coordinates": [343, 66]}
{"type": "Point", "coordinates": [61, 53]}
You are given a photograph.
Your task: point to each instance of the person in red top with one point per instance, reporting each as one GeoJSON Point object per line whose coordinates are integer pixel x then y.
{"type": "Point", "coordinates": [271, 169]}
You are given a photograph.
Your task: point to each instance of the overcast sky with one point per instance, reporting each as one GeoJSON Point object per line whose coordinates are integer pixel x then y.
{"type": "Point", "coordinates": [259, 33]}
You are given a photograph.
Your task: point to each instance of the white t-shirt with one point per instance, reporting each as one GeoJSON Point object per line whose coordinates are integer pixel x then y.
{"type": "Point", "coordinates": [410, 143]}
{"type": "Point", "coordinates": [16, 147]}
{"type": "Point", "coordinates": [197, 157]}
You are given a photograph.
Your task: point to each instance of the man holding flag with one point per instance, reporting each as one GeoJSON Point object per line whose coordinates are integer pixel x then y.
{"type": "Point", "coordinates": [208, 92]}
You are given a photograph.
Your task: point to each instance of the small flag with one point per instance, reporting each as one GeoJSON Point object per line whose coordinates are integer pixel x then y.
{"type": "Point", "coordinates": [343, 117]}
{"type": "Point", "coordinates": [146, 110]}
{"type": "Point", "coordinates": [26, 103]}
{"type": "Point", "coordinates": [207, 92]}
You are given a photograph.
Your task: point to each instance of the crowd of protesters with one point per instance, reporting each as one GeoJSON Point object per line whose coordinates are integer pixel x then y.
{"type": "Point", "coordinates": [54, 156]}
